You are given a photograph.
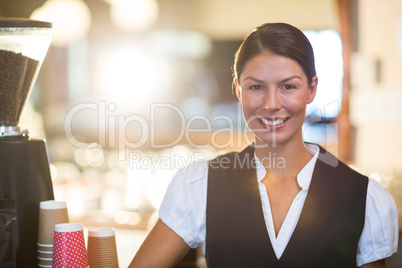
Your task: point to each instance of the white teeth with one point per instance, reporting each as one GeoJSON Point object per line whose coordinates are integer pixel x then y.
{"type": "Point", "coordinates": [272, 123]}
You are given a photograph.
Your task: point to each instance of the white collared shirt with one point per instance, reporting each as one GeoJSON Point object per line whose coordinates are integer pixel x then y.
{"type": "Point", "coordinates": [184, 210]}
{"type": "Point", "coordinates": [304, 177]}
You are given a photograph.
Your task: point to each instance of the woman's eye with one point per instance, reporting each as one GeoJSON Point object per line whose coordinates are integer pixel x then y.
{"type": "Point", "coordinates": [287, 87]}
{"type": "Point", "coordinates": [256, 87]}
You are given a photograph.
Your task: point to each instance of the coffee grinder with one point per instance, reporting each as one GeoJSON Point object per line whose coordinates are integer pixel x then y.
{"type": "Point", "coordinates": [24, 166]}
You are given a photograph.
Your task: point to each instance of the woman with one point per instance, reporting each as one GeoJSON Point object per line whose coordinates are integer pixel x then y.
{"type": "Point", "coordinates": [307, 210]}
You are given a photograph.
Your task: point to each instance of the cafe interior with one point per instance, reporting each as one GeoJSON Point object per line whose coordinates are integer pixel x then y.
{"type": "Point", "coordinates": [132, 91]}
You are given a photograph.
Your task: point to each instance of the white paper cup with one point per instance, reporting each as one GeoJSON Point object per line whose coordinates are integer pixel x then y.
{"type": "Point", "coordinates": [45, 247]}
{"type": "Point", "coordinates": [52, 204]}
{"type": "Point", "coordinates": [45, 254]}
{"type": "Point", "coordinates": [68, 227]}
{"type": "Point", "coordinates": [44, 261]}
{"type": "Point", "coordinates": [101, 231]}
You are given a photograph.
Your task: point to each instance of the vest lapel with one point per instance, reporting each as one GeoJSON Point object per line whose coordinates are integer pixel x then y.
{"type": "Point", "coordinates": [236, 232]}
{"type": "Point", "coordinates": [332, 217]}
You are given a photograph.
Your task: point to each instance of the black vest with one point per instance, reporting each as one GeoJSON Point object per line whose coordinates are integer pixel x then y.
{"type": "Point", "coordinates": [326, 235]}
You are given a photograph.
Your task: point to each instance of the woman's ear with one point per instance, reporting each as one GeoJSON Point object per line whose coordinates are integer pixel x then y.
{"type": "Point", "coordinates": [312, 89]}
{"type": "Point", "coordinates": [238, 89]}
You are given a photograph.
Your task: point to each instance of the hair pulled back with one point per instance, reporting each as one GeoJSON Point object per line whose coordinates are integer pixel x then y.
{"type": "Point", "coordinates": [280, 39]}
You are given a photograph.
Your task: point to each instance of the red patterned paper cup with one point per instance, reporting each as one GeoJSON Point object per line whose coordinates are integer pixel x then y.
{"type": "Point", "coordinates": [69, 246]}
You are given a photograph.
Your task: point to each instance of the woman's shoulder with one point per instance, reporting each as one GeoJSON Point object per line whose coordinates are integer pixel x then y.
{"type": "Point", "coordinates": [379, 196]}
{"type": "Point", "coordinates": [196, 171]}
{"type": "Point", "coordinates": [335, 168]}
{"type": "Point", "coordinates": [379, 238]}
{"type": "Point", "coordinates": [380, 205]}
{"type": "Point", "coordinates": [183, 206]}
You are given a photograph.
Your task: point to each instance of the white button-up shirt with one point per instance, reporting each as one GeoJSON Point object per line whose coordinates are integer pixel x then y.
{"type": "Point", "coordinates": [184, 211]}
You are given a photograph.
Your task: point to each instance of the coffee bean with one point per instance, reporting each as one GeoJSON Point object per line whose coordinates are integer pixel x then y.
{"type": "Point", "coordinates": [17, 73]}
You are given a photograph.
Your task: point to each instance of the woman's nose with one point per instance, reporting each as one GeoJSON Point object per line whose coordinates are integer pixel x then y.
{"type": "Point", "coordinates": [272, 101]}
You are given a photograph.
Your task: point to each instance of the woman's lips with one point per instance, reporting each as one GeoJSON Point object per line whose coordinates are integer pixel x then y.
{"type": "Point", "coordinates": [274, 122]}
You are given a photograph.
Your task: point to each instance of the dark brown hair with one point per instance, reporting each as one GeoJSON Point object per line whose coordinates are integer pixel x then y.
{"type": "Point", "coordinates": [280, 39]}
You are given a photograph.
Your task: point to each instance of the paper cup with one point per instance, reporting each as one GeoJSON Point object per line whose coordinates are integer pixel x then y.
{"type": "Point", "coordinates": [50, 213]}
{"type": "Point", "coordinates": [44, 261]}
{"type": "Point", "coordinates": [69, 246]}
{"type": "Point", "coordinates": [45, 254]}
{"type": "Point", "coordinates": [102, 250]}
{"type": "Point", "coordinates": [45, 247]}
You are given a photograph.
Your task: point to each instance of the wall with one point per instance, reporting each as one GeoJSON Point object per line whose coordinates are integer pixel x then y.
{"type": "Point", "coordinates": [376, 99]}
{"type": "Point", "coordinates": [376, 105]}
{"type": "Point", "coordinates": [232, 20]}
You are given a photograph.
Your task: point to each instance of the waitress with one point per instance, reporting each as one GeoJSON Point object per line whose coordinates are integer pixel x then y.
{"type": "Point", "coordinates": [307, 210]}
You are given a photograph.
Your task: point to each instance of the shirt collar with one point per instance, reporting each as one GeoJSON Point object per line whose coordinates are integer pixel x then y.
{"type": "Point", "coordinates": [305, 175]}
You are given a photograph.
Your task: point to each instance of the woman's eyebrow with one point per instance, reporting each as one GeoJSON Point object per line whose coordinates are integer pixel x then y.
{"type": "Point", "coordinates": [290, 78]}
{"type": "Point", "coordinates": [281, 81]}
{"type": "Point", "coordinates": [253, 78]}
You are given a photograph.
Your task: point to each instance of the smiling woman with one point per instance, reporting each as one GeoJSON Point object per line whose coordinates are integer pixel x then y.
{"type": "Point", "coordinates": [247, 212]}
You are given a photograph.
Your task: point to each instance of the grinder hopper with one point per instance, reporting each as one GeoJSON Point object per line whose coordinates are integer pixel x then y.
{"type": "Point", "coordinates": [23, 46]}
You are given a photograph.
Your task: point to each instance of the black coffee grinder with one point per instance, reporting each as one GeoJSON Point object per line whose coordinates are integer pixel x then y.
{"type": "Point", "coordinates": [24, 167]}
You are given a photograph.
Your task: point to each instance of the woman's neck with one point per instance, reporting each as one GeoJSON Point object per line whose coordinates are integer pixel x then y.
{"type": "Point", "coordinates": [283, 159]}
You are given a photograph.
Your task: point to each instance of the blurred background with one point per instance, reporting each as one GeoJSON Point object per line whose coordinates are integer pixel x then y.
{"type": "Point", "coordinates": [133, 90]}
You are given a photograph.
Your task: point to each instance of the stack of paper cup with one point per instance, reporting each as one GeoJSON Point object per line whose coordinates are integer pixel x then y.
{"type": "Point", "coordinates": [69, 248]}
{"type": "Point", "coordinates": [102, 251]}
{"type": "Point", "coordinates": [50, 213]}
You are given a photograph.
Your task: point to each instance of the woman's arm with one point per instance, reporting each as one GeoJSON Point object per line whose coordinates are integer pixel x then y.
{"type": "Point", "coordinates": [376, 264]}
{"type": "Point", "coordinates": [162, 248]}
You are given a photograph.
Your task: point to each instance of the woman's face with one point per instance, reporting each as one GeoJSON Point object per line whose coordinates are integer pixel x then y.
{"type": "Point", "coordinates": [273, 91]}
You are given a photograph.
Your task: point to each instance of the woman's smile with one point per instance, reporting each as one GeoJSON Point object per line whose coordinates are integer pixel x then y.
{"type": "Point", "coordinates": [273, 122]}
